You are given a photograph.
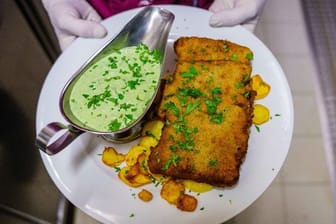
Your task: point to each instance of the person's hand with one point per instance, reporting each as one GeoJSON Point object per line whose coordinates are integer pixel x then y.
{"type": "Point", "coordinates": [73, 18]}
{"type": "Point", "coordinates": [234, 12]}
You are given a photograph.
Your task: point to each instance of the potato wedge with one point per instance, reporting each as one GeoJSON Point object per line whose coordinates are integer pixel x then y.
{"type": "Point", "coordinates": [111, 157]}
{"type": "Point", "coordinates": [171, 191]}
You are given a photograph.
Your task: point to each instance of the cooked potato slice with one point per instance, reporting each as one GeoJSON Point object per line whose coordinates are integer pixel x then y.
{"type": "Point", "coordinates": [111, 157]}
{"type": "Point", "coordinates": [132, 176]}
{"type": "Point", "coordinates": [172, 190]}
{"type": "Point", "coordinates": [145, 195]}
{"type": "Point", "coordinates": [142, 161]}
{"type": "Point", "coordinates": [260, 86]}
{"type": "Point", "coordinates": [123, 176]}
{"type": "Point", "coordinates": [141, 179]}
{"type": "Point", "coordinates": [153, 129]}
{"type": "Point", "coordinates": [133, 154]}
{"type": "Point", "coordinates": [260, 114]}
{"type": "Point", "coordinates": [148, 142]}
{"type": "Point", "coordinates": [186, 203]}
{"type": "Point", "coordinates": [132, 172]}
{"type": "Point", "coordinates": [197, 187]}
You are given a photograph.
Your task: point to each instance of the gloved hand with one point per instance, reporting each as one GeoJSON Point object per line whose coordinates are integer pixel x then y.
{"type": "Point", "coordinates": [73, 18]}
{"type": "Point", "coordinates": [234, 12]}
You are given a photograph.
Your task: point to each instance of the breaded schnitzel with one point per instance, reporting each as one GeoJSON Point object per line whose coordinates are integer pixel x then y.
{"type": "Point", "coordinates": [207, 107]}
{"type": "Point", "coordinates": [205, 49]}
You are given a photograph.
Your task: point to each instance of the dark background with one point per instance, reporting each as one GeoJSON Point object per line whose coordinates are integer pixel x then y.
{"type": "Point", "coordinates": [28, 48]}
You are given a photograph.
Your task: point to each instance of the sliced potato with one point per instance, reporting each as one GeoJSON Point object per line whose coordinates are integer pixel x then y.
{"type": "Point", "coordinates": [123, 176]}
{"type": "Point", "coordinates": [153, 129]}
{"type": "Point", "coordinates": [132, 171]}
{"type": "Point", "coordinates": [132, 177]}
{"type": "Point", "coordinates": [186, 203]}
{"type": "Point", "coordinates": [172, 190]}
{"type": "Point", "coordinates": [142, 161]}
{"type": "Point", "coordinates": [197, 187]}
{"type": "Point", "coordinates": [133, 154]}
{"type": "Point", "coordinates": [148, 142]}
{"type": "Point", "coordinates": [260, 114]}
{"type": "Point", "coordinates": [260, 86]}
{"type": "Point", "coordinates": [141, 179]}
{"type": "Point", "coordinates": [111, 157]}
{"type": "Point", "coordinates": [145, 195]}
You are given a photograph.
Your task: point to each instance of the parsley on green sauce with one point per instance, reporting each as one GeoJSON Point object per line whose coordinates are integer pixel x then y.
{"type": "Point", "coordinates": [116, 90]}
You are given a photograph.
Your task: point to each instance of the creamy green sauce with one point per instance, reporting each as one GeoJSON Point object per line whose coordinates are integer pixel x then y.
{"type": "Point", "coordinates": [116, 90]}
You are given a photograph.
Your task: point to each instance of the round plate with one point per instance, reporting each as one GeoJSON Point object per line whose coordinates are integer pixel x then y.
{"type": "Point", "coordinates": [80, 175]}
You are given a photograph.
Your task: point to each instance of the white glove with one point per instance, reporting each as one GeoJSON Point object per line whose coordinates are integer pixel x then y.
{"type": "Point", "coordinates": [234, 12]}
{"type": "Point", "coordinates": [73, 18]}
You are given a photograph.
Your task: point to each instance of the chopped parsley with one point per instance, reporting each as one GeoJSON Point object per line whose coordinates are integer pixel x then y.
{"type": "Point", "coordinates": [170, 106]}
{"type": "Point", "coordinates": [249, 56]}
{"type": "Point", "coordinates": [234, 57]}
{"type": "Point", "coordinates": [190, 91]}
{"type": "Point", "coordinates": [243, 82]}
{"type": "Point", "coordinates": [225, 48]}
{"type": "Point", "coordinates": [191, 73]}
{"type": "Point", "coordinates": [247, 94]}
{"type": "Point", "coordinates": [110, 88]}
{"type": "Point", "coordinates": [192, 106]}
{"type": "Point", "coordinates": [257, 128]}
{"type": "Point", "coordinates": [213, 162]}
{"type": "Point", "coordinates": [114, 125]}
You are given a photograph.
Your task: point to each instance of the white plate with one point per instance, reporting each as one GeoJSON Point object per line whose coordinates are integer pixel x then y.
{"type": "Point", "coordinates": [95, 188]}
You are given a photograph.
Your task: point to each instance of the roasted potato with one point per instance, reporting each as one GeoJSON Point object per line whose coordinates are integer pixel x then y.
{"type": "Point", "coordinates": [186, 203]}
{"type": "Point", "coordinates": [260, 114]}
{"type": "Point", "coordinates": [145, 195]}
{"type": "Point", "coordinates": [111, 157]}
{"type": "Point", "coordinates": [132, 156]}
{"type": "Point", "coordinates": [151, 133]}
{"type": "Point", "coordinates": [141, 179]}
{"type": "Point", "coordinates": [142, 161]}
{"type": "Point", "coordinates": [148, 142]}
{"type": "Point", "coordinates": [133, 177]}
{"type": "Point", "coordinates": [172, 190]}
{"type": "Point", "coordinates": [260, 86]}
{"type": "Point", "coordinates": [153, 129]}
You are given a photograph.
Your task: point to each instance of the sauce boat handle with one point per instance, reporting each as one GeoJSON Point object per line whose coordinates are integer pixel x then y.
{"type": "Point", "coordinates": [61, 142]}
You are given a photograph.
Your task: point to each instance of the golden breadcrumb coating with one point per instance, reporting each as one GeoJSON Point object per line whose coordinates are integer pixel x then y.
{"type": "Point", "coordinates": [207, 106]}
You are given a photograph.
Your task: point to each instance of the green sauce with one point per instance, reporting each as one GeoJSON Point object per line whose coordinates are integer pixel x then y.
{"type": "Point", "coordinates": [115, 91]}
